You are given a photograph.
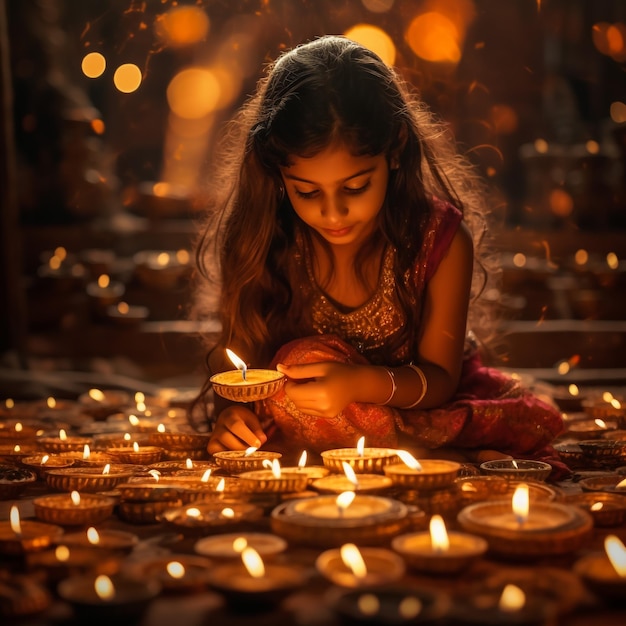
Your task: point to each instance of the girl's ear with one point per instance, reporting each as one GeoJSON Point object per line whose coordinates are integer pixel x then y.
{"type": "Point", "coordinates": [398, 148]}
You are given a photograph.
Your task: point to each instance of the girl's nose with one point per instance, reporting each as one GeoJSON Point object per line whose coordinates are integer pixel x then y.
{"type": "Point", "coordinates": [334, 209]}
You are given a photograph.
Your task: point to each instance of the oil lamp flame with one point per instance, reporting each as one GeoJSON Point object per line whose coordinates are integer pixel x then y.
{"type": "Point", "coordinates": [228, 513]}
{"type": "Point", "coordinates": [18, 427]}
{"type": "Point", "coordinates": [189, 464]}
{"type": "Point", "coordinates": [106, 469]}
{"type": "Point", "coordinates": [221, 486]}
{"type": "Point", "coordinates": [44, 459]}
{"type": "Point", "coordinates": [253, 562]}
{"type": "Point", "coordinates": [104, 587]}
{"type": "Point", "coordinates": [616, 404]}
{"type": "Point", "coordinates": [75, 496]}
{"type": "Point", "coordinates": [206, 476]}
{"type": "Point", "coordinates": [86, 452]}
{"type": "Point", "coordinates": [302, 460]}
{"type": "Point", "coordinates": [155, 474]}
{"type": "Point", "coordinates": [135, 447]}
{"type": "Point", "coordinates": [175, 569]}
{"type": "Point", "coordinates": [596, 506]}
{"type": "Point", "coordinates": [17, 447]}
{"type": "Point", "coordinates": [62, 435]}
{"type": "Point", "coordinates": [621, 484]}
{"type": "Point", "coordinates": [350, 473]}
{"type": "Point", "coordinates": [96, 394]}
{"type": "Point", "coordinates": [360, 446]}
{"type": "Point", "coordinates": [240, 544]}
{"type": "Point", "coordinates": [127, 437]}
{"type": "Point", "coordinates": [409, 460]}
{"type": "Point", "coordinates": [616, 551]}
{"type": "Point", "coordinates": [134, 420]}
{"type": "Point", "coordinates": [512, 599]}
{"type": "Point", "coordinates": [600, 423]}
{"type": "Point", "coordinates": [353, 559]}
{"type": "Point", "coordinates": [439, 539]}
{"type": "Point", "coordinates": [250, 451]}
{"type": "Point", "coordinates": [62, 553]}
{"type": "Point", "coordinates": [237, 362]}
{"type": "Point", "coordinates": [92, 536]}
{"type": "Point", "coordinates": [14, 517]}
{"type": "Point", "coordinates": [520, 503]}
{"type": "Point", "coordinates": [273, 465]}
{"type": "Point", "coordinates": [193, 512]}
{"type": "Point", "coordinates": [514, 463]}
{"type": "Point", "coordinates": [344, 500]}
{"type": "Point", "coordinates": [51, 402]}
{"type": "Point", "coordinates": [161, 428]}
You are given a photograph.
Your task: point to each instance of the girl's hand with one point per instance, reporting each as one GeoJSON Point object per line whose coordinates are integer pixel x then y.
{"type": "Point", "coordinates": [323, 389]}
{"type": "Point", "coordinates": [237, 428]}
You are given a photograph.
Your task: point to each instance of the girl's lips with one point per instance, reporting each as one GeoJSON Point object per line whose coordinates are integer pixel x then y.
{"type": "Point", "coordinates": [338, 232]}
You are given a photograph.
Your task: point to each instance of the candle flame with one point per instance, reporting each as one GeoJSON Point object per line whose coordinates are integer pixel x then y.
{"type": "Point", "coordinates": [616, 404]}
{"type": "Point", "coordinates": [350, 473]}
{"type": "Point", "coordinates": [62, 553]}
{"type": "Point", "coordinates": [520, 503]}
{"type": "Point", "coordinates": [353, 559]}
{"type": "Point", "coordinates": [344, 500]}
{"type": "Point", "coordinates": [134, 420]}
{"type": "Point", "coordinates": [44, 459]}
{"type": "Point", "coordinates": [127, 437]}
{"type": "Point", "coordinates": [616, 551]}
{"type": "Point", "coordinates": [104, 587]}
{"type": "Point", "coordinates": [573, 390]}
{"type": "Point", "coordinates": [93, 537]}
{"type": "Point", "coordinates": [51, 402]}
{"type": "Point", "coordinates": [600, 423]}
{"type": "Point", "coordinates": [75, 496]}
{"type": "Point", "coordinates": [14, 516]}
{"type": "Point", "coordinates": [161, 428]}
{"type": "Point", "coordinates": [621, 484]}
{"type": "Point", "coordinates": [360, 446]}
{"type": "Point", "coordinates": [273, 465]}
{"type": "Point", "coordinates": [206, 476]}
{"type": "Point", "coordinates": [514, 463]}
{"type": "Point", "coordinates": [596, 506]}
{"type": "Point", "coordinates": [18, 427]}
{"type": "Point", "coordinates": [135, 447]}
{"type": "Point", "coordinates": [253, 562]}
{"type": "Point", "coordinates": [189, 463]}
{"type": "Point", "coordinates": [438, 534]}
{"type": "Point", "coordinates": [607, 396]}
{"type": "Point", "coordinates": [250, 451]}
{"type": "Point", "coordinates": [62, 435]}
{"type": "Point", "coordinates": [409, 460]}
{"type": "Point", "coordinates": [86, 452]}
{"type": "Point", "coordinates": [140, 396]}
{"type": "Point", "coordinates": [512, 599]}
{"type": "Point", "coordinates": [193, 512]}
{"type": "Point", "coordinates": [103, 281]}
{"type": "Point", "coordinates": [163, 258]}
{"type": "Point", "coordinates": [240, 544]}
{"type": "Point", "coordinates": [17, 447]}
{"type": "Point", "coordinates": [221, 486]}
{"type": "Point", "coordinates": [155, 474]}
{"type": "Point", "coordinates": [227, 513]}
{"type": "Point", "coordinates": [96, 394]}
{"type": "Point", "coordinates": [302, 460]}
{"type": "Point", "coordinates": [237, 362]}
{"type": "Point", "coordinates": [141, 407]}
{"type": "Point", "coordinates": [106, 469]}
{"type": "Point", "coordinates": [175, 569]}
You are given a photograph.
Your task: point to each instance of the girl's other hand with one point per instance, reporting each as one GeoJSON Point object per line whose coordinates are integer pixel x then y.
{"type": "Point", "coordinates": [237, 428]}
{"type": "Point", "coordinates": [323, 389]}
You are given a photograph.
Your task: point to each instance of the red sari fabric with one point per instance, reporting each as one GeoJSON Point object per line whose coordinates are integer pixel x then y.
{"type": "Point", "coordinates": [490, 410]}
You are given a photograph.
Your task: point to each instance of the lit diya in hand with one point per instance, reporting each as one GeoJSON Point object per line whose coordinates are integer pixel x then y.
{"type": "Point", "coordinates": [361, 459]}
{"type": "Point", "coordinates": [439, 551]}
{"type": "Point", "coordinates": [245, 384]}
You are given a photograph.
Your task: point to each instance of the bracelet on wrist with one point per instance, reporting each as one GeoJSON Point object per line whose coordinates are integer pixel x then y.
{"type": "Point", "coordinates": [392, 378]}
{"type": "Point", "coordinates": [424, 389]}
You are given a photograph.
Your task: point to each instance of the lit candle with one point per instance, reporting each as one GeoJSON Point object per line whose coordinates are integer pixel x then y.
{"type": "Point", "coordinates": [360, 458]}
{"type": "Point", "coordinates": [19, 536]}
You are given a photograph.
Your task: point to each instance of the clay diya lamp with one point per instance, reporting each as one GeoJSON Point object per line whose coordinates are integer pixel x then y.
{"type": "Point", "coordinates": [161, 269]}
{"type": "Point", "coordinates": [106, 539]}
{"type": "Point", "coordinates": [63, 443]}
{"type": "Point", "coordinates": [426, 474]}
{"type": "Point", "coordinates": [73, 509]}
{"type": "Point", "coordinates": [231, 545]}
{"type": "Point", "coordinates": [13, 453]}
{"type": "Point", "coordinates": [591, 428]}
{"type": "Point", "coordinates": [350, 566]}
{"type": "Point", "coordinates": [104, 599]}
{"type": "Point", "coordinates": [103, 293]}
{"type": "Point", "coordinates": [363, 460]}
{"type": "Point", "coordinates": [351, 481]}
{"type": "Point", "coordinates": [568, 399]}
{"type": "Point", "coordinates": [180, 440]}
{"type": "Point", "coordinates": [238, 461]}
{"type": "Point", "coordinates": [87, 479]}
{"type": "Point", "coordinates": [604, 453]}
{"type": "Point", "coordinates": [137, 455]}
{"type": "Point", "coordinates": [606, 408]}
{"type": "Point", "coordinates": [207, 516]}
{"type": "Point", "coordinates": [14, 481]}
{"type": "Point", "coordinates": [16, 431]}
{"type": "Point", "coordinates": [142, 502]}
{"type": "Point", "coordinates": [606, 509]}
{"type": "Point", "coordinates": [609, 483]}
{"type": "Point", "coordinates": [99, 403]}
{"type": "Point", "coordinates": [273, 480]}
{"type": "Point", "coordinates": [439, 551]}
{"type": "Point", "coordinates": [605, 573]}
{"type": "Point", "coordinates": [517, 469]}
{"type": "Point", "coordinates": [176, 573]}
{"type": "Point", "coordinates": [312, 472]}
{"type": "Point", "coordinates": [41, 463]}
{"type": "Point", "coordinates": [250, 585]}
{"type": "Point", "coordinates": [18, 537]}
{"type": "Point", "coordinates": [245, 384]}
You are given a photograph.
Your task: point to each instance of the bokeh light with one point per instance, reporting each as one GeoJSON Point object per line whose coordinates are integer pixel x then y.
{"type": "Point", "coordinates": [378, 6]}
{"type": "Point", "coordinates": [127, 78]}
{"type": "Point", "coordinates": [505, 119]}
{"type": "Point", "coordinates": [375, 39]}
{"type": "Point", "coordinates": [93, 65]}
{"type": "Point", "coordinates": [193, 93]}
{"type": "Point", "coordinates": [182, 26]}
{"type": "Point", "coordinates": [618, 112]}
{"type": "Point", "coordinates": [561, 203]}
{"type": "Point", "coordinates": [434, 37]}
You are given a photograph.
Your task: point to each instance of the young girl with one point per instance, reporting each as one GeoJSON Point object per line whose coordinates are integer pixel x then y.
{"type": "Point", "coordinates": [344, 249]}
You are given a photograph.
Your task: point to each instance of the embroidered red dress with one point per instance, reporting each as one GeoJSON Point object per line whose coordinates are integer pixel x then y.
{"type": "Point", "coordinates": [490, 410]}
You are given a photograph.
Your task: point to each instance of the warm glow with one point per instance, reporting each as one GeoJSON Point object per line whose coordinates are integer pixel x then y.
{"type": "Point", "coordinates": [352, 558]}
{"type": "Point", "coordinates": [581, 256]}
{"type": "Point", "coordinates": [369, 604]}
{"type": "Point", "coordinates": [439, 539]}
{"type": "Point", "coordinates": [75, 496]}
{"type": "Point", "coordinates": [182, 26]}
{"type": "Point", "coordinates": [104, 281]}
{"type": "Point", "coordinates": [350, 474]}
{"type": "Point", "coordinates": [240, 365]}
{"type": "Point", "coordinates": [573, 389]}
{"type": "Point", "coordinates": [135, 447]}
{"type": "Point", "coordinates": [512, 599]}
{"type": "Point", "coordinates": [51, 402]}
{"type": "Point", "coordinates": [140, 397]}
{"type": "Point", "coordinates": [93, 65]}
{"type": "Point", "coordinates": [607, 396]}
{"type": "Point", "coordinates": [433, 37]}
{"type": "Point", "coordinates": [188, 464]}
{"type": "Point", "coordinates": [519, 259]}
{"type": "Point", "coordinates": [206, 476]}
{"type": "Point", "coordinates": [62, 435]}
{"type": "Point", "coordinates": [134, 420]}
{"type": "Point", "coordinates": [104, 587]}
{"type": "Point", "coordinates": [193, 93]}
{"type": "Point", "coordinates": [375, 39]}
{"type": "Point", "coordinates": [360, 446]}
{"type": "Point", "coordinates": [155, 474]}
{"type": "Point", "coordinates": [409, 460]}
{"type": "Point", "coordinates": [344, 500]}
{"type": "Point", "coordinates": [86, 451]}
{"type": "Point", "coordinates": [193, 512]}
{"type": "Point", "coordinates": [593, 147]}
{"type": "Point", "coordinates": [561, 202]}
{"type": "Point", "coordinates": [520, 503]}
{"type": "Point", "coordinates": [621, 484]}
{"type": "Point", "coordinates": [541, 146]}
{"type": "Point", "coordinates": [175, 569]}
{"type": "Point", "coordinates": [240, 544]}
{"type": "Point", "coordinates": [17, 447]}
{"type": "Point", "coordinates": [14, 517]}
{"type": "Point", "coordinates": [617, 111]}
{"type": "Point", "coordinates": [18, 427]}
{"type": "Point", "coordinates": [302, 460]}
{"type": "Point", "coordinates": [161, 428]}
{"type": "Point", "coordinates": [616, 552]}
{"type": "Point", "coordinates": [596, 506]}
{"type": "Point", "coordinates": [221, 486]}
{"type": "Point", "coordinates": [250, 451]}
{"type": "Point", "coordinates": [612, 260]}
{"type": "Point", "coordinates": [616, 404]}
{"type": "Point", "coordinates": [163, 259]}
{"type": "Point", "coordinates": [600, 423]}
{"type": "Point", "coordinates": [9, 403]}
{"type": "Point", "coordinates": [44, 459]}
{"type": "Point", "coordinates": [514, 463]}
{"type": "Point", "coordinates": [92, 536]}
{"type": "Point", "coordinates": [272, 465]}
{"type": "Point", "coordinates": [127, 78]}
{"type": "Point", "coordinates": [62, 553]}
{"type": "Point", "coordinates": [253, 562]}
{"type": "Point", "coordinates": [96, 394]}
{"type": "Point", "coordinates": [227, 513]}
{"type": "Point", "coordinates": [106, 469]}
{"type": "Point", "coordinates": [127, 437]}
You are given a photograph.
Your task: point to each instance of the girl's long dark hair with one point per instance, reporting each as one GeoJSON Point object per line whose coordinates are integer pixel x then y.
{"type": "Point", "coordinates": [329, 90]}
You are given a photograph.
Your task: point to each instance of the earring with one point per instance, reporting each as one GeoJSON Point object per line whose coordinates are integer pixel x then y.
{"type": "Point", "coordinates": [394, 164]}
{"type": "Point", "coordinates": [281, 193]}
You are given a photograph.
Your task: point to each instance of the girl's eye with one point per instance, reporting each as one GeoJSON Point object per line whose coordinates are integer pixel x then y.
{"type": "Point", "coordinates": [306, 195]}
{"type": "Point", "coordinates": [357, 190]}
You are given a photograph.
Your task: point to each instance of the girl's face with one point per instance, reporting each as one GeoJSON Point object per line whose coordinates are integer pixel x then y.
{"type": "Point", "coordinates": [338, 194]}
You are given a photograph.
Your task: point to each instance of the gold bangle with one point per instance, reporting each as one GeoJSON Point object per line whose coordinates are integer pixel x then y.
{"type": "Point", "coordinates": [424, 382]}
{"type": "Point", "coordinates": [392, 377]}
